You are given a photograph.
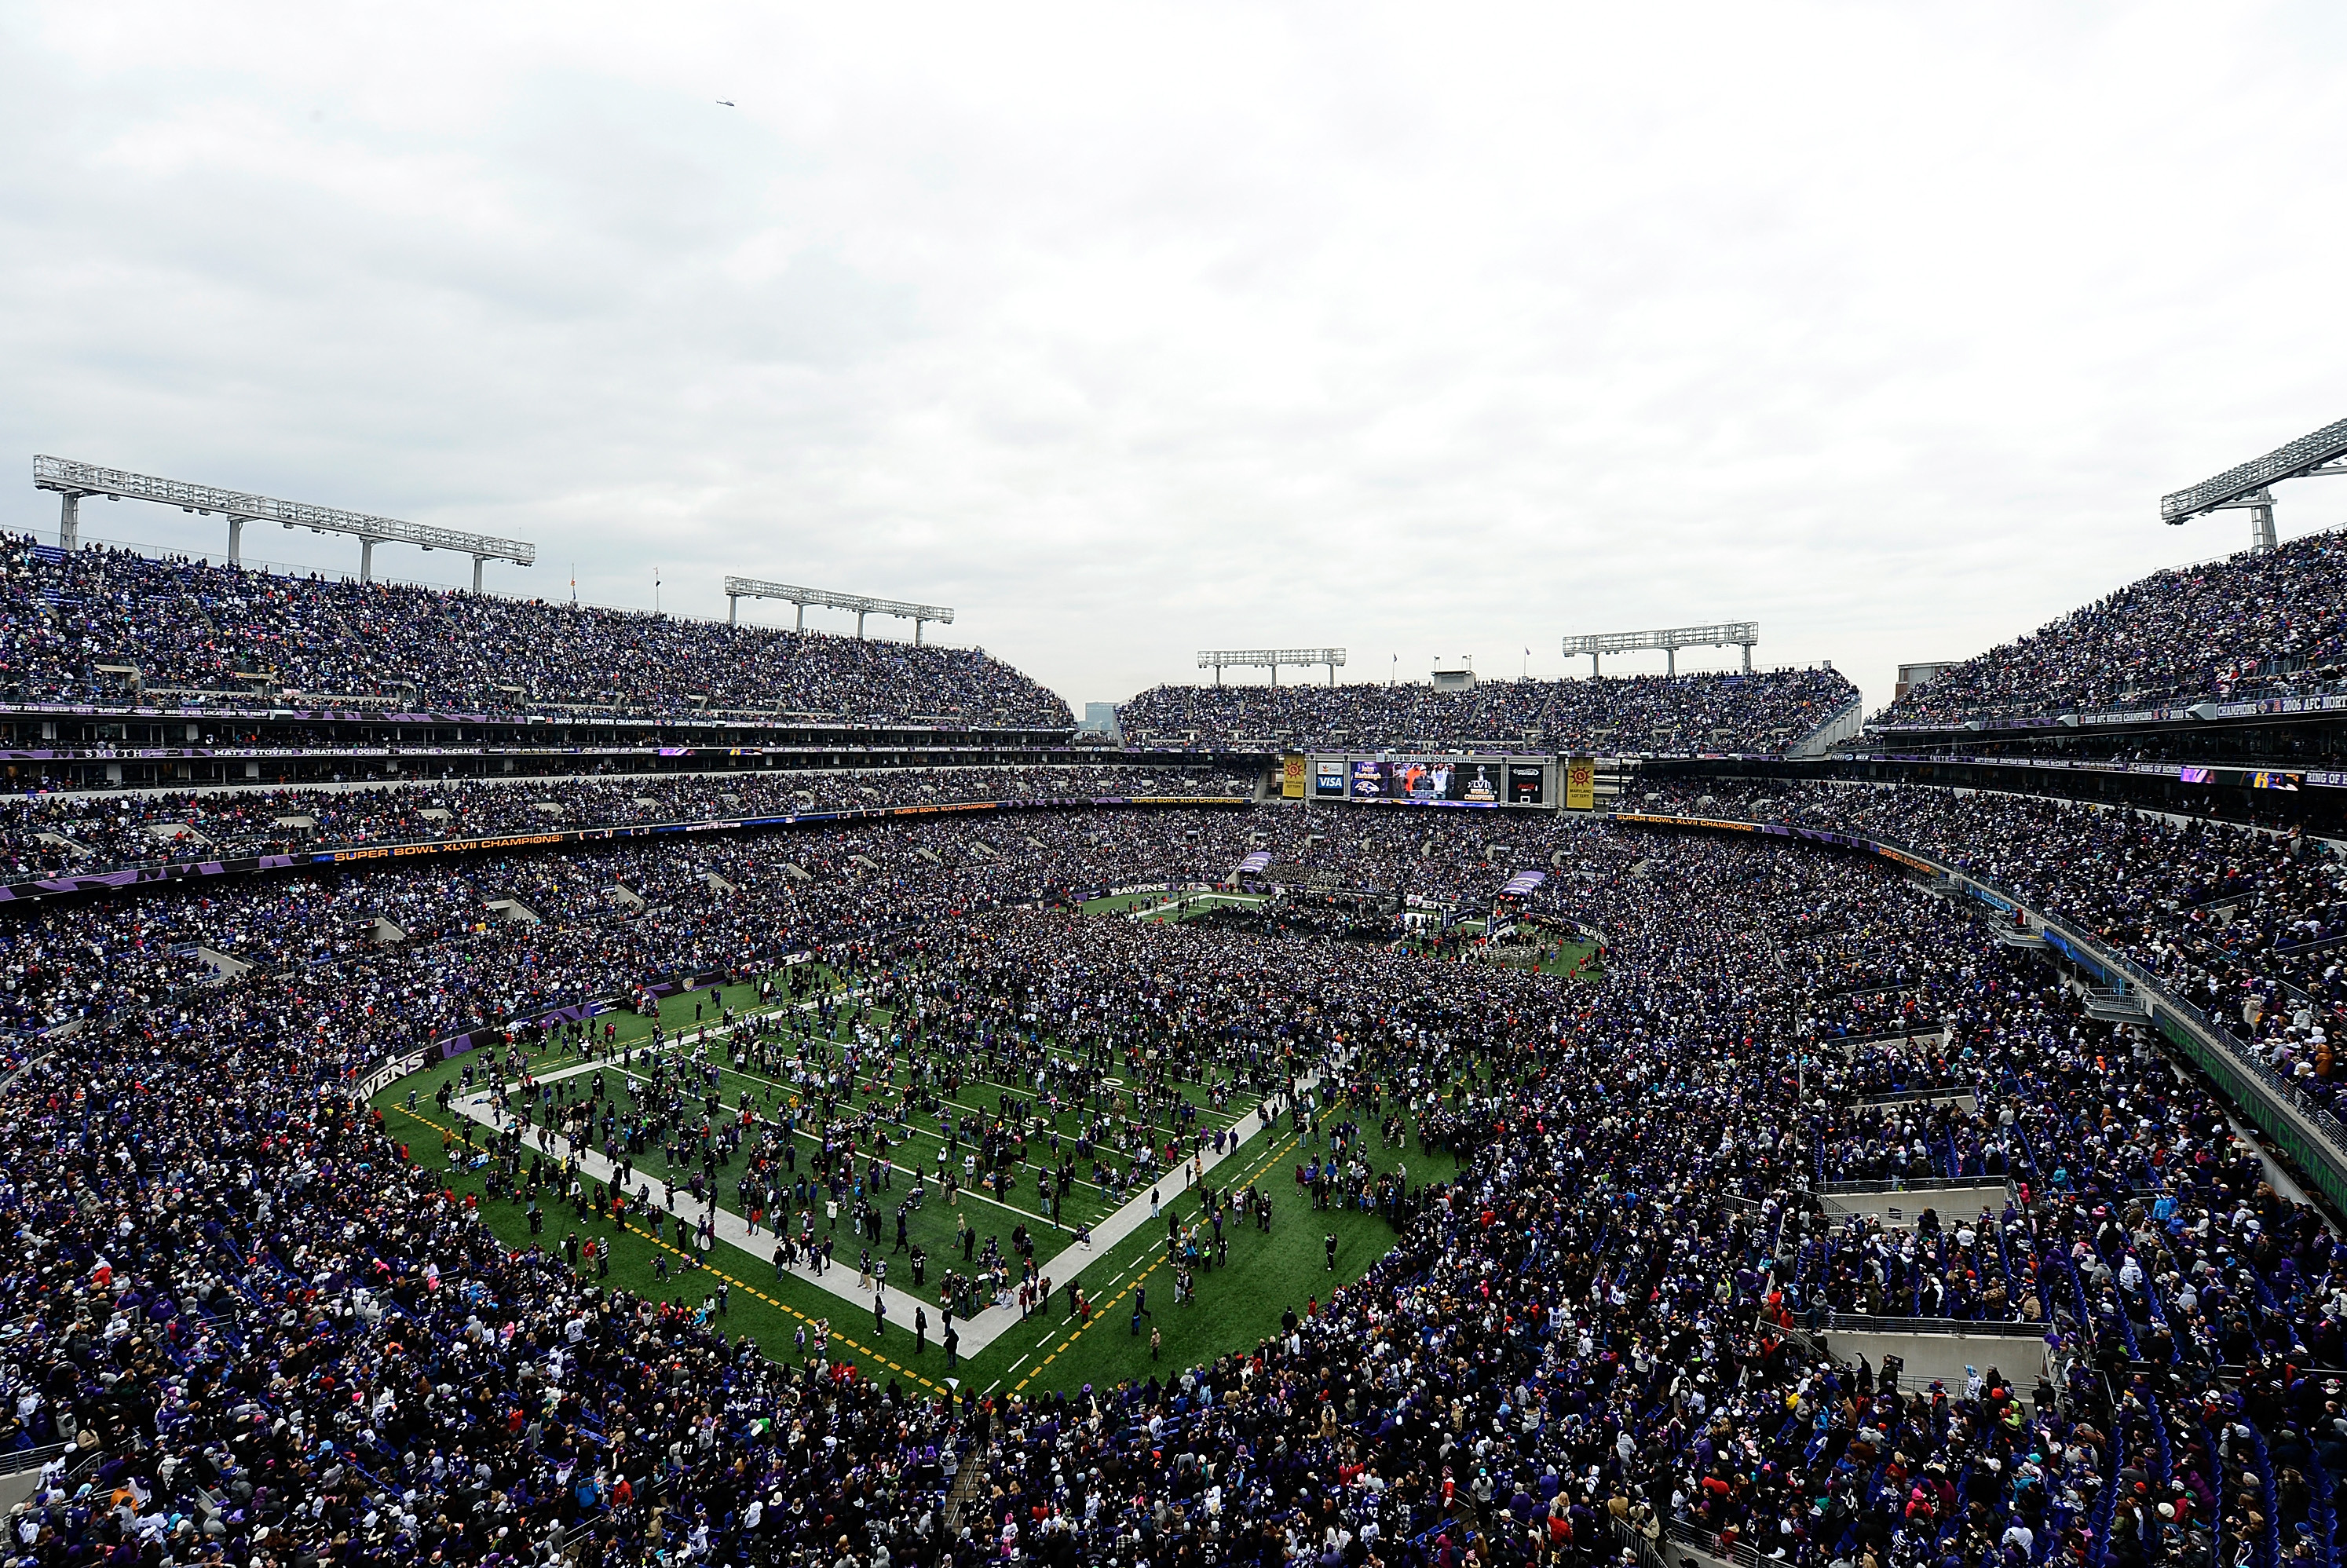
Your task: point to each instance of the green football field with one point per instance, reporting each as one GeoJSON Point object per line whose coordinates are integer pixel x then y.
{"type": "Point", "coordinates": [1558, 956]}
{"type": "Point", "coordinates": [1170, 906]}
{"type": "Point", "coordinates": [1267, 1273]}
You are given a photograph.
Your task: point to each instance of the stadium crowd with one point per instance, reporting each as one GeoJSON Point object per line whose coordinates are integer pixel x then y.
{"type": "Point", "coordinates": [265, 1337]}
{"type": "Point", "coordinates": [90, 831]}
{"type": "Point", "coordinates": [1769, 712]}
{"type": "Point", "coordinates": [2253, 624]}
{"type": "Point", "coordinates": [443, 948]}
{"type": "Point", "coordinates": [485, 938]}
{"type": "Point", "coordinates": [72, 625]}
{"type": "Point", "coordinates": [2248, 924]}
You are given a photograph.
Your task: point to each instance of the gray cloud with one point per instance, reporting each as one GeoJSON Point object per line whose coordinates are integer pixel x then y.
{"type": "Point", "coordinates": [1135, 330]}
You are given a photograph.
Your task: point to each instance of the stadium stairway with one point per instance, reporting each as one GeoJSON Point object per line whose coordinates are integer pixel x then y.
{"type": "Point", "coordinates": [969, 1483]}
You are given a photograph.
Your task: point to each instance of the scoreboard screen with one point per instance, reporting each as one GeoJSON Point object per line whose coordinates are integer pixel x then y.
{"type": "Point", "coordinates": [1432, 780]}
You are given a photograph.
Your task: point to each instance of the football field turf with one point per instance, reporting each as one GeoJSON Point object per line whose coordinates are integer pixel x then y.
{"type": "Point", "coordinates": [1235, 1306]}
{"type": "Point", "coordinates": [1173, 907]}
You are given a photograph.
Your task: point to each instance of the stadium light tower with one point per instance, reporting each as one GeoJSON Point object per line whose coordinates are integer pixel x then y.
{"type": "Point", "coordinates": [1741, 634]}
{"type": "Point", "coordinates": [2249, 487]}
{"type": "Point", "coordinates": [74, 481]}
{"type": "Point", "coordinates": [1269, 658]}
{"type": "Point", "coordinates": [738, 589]}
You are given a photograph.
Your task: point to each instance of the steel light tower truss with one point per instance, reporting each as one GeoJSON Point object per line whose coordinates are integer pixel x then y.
{"type": "Point", "coordinates": [1741, 634]}
{"type": "Point", "coordinates": [73, 480]}
{"type": "Point", "coordinates": [1270, 659]}
{"type": "Point", "coordinates": [2249, 487]}
{"type": "Point", "coordinates": [738, 589]}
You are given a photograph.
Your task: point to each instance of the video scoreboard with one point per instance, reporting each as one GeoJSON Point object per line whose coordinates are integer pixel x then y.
{"type": "Point", "coordinates": [1432, 780]}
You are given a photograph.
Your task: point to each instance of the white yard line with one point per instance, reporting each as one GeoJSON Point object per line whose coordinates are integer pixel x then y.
{"type": "Point", "coordinates": [973, 1193]}
{"type": "Point", "coordinates": [977, 1331]}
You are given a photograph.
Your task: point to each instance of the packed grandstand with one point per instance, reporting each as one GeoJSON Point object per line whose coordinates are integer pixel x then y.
{"type": "Point", "coordinates": [2255, 624]}
{"type": "Point", "coordinates": [1772, 710]}
{"type": "Point", "coordinates": [1767, 1166]}
{"type": "Point", "coordinates": [86, 626]}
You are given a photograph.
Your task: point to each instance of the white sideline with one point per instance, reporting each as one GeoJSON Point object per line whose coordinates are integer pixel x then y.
{"type": "Point", "coordinates": [977, 1331]}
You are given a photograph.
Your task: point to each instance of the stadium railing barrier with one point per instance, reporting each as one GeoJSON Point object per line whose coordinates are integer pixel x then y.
{"type": "Point", "coordinates": [2310, 1135]}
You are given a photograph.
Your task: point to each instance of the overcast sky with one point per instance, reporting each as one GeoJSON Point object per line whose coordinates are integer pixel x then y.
{"type": "Point", "coordinates": [1128, 331]}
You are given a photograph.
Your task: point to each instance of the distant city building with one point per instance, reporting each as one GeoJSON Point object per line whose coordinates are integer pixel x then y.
{"type": "Point", "coordinates": [1100, 717]}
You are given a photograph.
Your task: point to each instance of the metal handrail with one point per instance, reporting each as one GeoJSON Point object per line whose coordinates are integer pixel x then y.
{"type": "Point", "coordinates": [1881, 1036]}
{"type": "Point", "coordinates": [1919, 1097]}
{"type": "Point", "coordinates": [1957, 1327]}
{"type": "Point", "coordinates": [1635, 1541]}
{"type": "Point", "coordinates": [1744, 1554]}
{"type": "Point", "coordinates": [19, 1461]}
{"type": "Point", "coordinates": [2172, 702]}
{"type": "Point", "coordinates": [2288, 1097]}
{"type": "Point", "coordinates": [2291, 1102]}
{"type": "Point", "coordinates": [1919, 1185]}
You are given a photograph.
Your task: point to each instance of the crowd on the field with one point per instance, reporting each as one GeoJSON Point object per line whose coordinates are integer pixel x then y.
{"type": "Point", "coordinates": [485, 938]}
{"type": "Point", "coordinates": [1769, 711]}
{"type": "Point", "coordinates": [2253, 624]}
{"type": "Point", "coordinates": [83, 833]}
{"type": "Point", "coordinates": [266, 1338]}
{"type": "Point", "coordinates": [443, 948]}
{"type": "Point", "coordinates": [95, 624]}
